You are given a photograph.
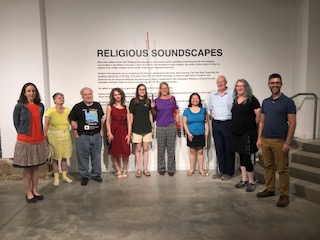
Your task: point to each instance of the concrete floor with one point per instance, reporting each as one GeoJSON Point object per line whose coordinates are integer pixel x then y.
{"type": "Point", "coordinates": [159, 207]}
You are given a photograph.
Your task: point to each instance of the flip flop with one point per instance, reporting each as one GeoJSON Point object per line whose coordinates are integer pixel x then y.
{"type": "Point", "coordinates": [190, 172]}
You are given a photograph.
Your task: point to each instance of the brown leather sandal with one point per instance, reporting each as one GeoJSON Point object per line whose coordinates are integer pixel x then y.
{"type": "Point", "coordinates": [146, 173]}
{"type": "Point", "coordinates": [138, 174]}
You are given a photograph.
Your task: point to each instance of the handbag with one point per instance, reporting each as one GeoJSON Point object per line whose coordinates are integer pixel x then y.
{"type": "Point", "coordinates": [50, 153]}
{"type": "Point", "coordinates": [175, 113]}
{"type": "Point", "coordinates": [108, 144]}
{"type": "Point", "coordinates": [178, 126]}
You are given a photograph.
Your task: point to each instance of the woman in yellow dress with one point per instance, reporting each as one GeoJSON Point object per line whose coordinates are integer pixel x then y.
{"type": "Point", "coordinates": [58, 133]}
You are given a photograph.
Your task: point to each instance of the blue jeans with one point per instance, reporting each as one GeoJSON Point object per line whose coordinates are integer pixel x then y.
{"type": "Point", "coordinates": [222, 134]}
{"type": "Point", "coordinates": [89, 147]}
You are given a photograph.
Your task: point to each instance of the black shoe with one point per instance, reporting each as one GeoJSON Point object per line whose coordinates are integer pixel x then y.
{"type": "Point", "coordinates": [31, 200]}
{"type": "Point", "coordinates": [251, 187]}
{"type": "Point", "coordinates": [241, 184]}
{"type": "Point", "coordinates": [171, 174]}
{"type": "Point", "coordinates": [84, 181]}
{"type": "Point", "coordinates": [39, 197]}
{"type": "Point", "coordinates": [97, 178]}
{"type": "Point", "coordinates": [162, 173]}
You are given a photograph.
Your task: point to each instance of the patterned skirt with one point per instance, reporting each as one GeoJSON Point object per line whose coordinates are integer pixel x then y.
{"type": "Point", "coordinates": [30, 155]}
{"type": "Point", "coordinates": [61, 142]}
{"type": "Point", "coordinates": [245, 144]}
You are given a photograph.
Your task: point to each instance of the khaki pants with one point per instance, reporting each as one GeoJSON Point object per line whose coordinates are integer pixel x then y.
{"type": "Point", "coordinates": [274, 159]}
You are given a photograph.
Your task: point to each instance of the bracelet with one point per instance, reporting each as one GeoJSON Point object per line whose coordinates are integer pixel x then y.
{"type": "Point", "coordinates": [287, 143]}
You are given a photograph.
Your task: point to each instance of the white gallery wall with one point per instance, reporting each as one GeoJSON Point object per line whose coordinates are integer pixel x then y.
{"type": "Point", "coordinates": [256, 37]}
{"type": "Point", "coordinates": [20, 61]}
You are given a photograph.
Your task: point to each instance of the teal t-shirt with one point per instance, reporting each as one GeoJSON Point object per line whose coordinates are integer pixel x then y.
{"type": "Point", "coordinates": [196, 121]}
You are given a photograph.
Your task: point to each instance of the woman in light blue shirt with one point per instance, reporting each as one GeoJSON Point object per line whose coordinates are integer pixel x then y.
{"type": "Point", "coordinates": [195, 123]}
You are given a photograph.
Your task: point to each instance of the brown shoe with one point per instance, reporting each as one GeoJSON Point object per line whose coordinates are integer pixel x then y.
{"type": "Point", "coordinates": [217, 175]}
{"type": "Point", "coordinates": [225, 177]}
{"type": "Point", "coordinates": [265, 193]}
{"type": "Point", "coordinates": [283, 201]}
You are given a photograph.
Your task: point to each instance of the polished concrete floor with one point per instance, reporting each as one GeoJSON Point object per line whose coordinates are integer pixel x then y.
{"type": "Point", "coordinates": [159, 207]}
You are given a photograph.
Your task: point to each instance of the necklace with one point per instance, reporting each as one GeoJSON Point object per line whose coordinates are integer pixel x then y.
{"type": "Point", "coordinates": [60, 110]}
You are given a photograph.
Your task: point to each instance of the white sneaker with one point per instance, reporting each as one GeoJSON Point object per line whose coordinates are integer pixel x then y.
{"type": "Point", "coordinates": [68, 180]}
{"type": "Point", "coordinates": [56, 183]}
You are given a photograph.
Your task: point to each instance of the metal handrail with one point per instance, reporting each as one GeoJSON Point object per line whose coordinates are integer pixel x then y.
{"type": "Point", "coordinates": [315, 109]}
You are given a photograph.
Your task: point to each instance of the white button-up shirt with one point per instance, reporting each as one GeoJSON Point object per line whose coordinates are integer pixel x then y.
{"type": "Point", "coordinates": [221, 105]}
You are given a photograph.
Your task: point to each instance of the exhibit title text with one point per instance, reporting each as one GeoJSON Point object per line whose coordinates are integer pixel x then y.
{"type": "Point", "coordinates": [159, 53]}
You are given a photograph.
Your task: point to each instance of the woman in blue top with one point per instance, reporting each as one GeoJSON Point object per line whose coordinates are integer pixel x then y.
{"type": "Point", "coordinates": [195, 123]}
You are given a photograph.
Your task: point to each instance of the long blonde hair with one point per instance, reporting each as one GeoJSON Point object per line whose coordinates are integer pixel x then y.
{"type": "Point", "coordinates": [163, 83]}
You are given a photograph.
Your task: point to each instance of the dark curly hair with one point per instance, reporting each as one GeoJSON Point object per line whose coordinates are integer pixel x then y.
{"type": "Point", "coordinates": [23, 98]}
{"type": "Point", "coordinates": [123, 96]}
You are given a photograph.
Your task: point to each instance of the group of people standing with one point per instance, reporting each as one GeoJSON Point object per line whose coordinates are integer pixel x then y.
{"type": "Point", "coordinates": [85, 120]}
{"type": "Point", "coordinates": [238, 125]}
{"type": "Point", "coordinates": [235, 117]}
{"type": "Point", "coordinates": [136, 120]}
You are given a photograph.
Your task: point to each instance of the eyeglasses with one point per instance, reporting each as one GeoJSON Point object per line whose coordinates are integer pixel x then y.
{"type": "Point", "coordinates": [239, 86]}
{"type": "Point", "coordinates": [275, 83]}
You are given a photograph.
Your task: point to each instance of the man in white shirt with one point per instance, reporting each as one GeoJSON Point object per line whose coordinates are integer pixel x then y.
{"type": "Point", "coordinates": [220, 105]}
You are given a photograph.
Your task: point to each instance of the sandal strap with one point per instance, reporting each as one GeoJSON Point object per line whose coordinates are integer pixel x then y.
{"type": "Point", "coordinates": [125, 175]}
{"type": "Point", "coordinates": [138, 174]}
{"type": "Point", "coordinates": [190, 172]}
{"type": "Point", "coordinates": [119, 175]}
{"type": "Point", "coordinates": [203, 173]}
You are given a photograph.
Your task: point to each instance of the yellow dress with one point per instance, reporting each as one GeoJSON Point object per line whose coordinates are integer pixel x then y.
{"type": "Point", "coordinates": [59, 136]}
